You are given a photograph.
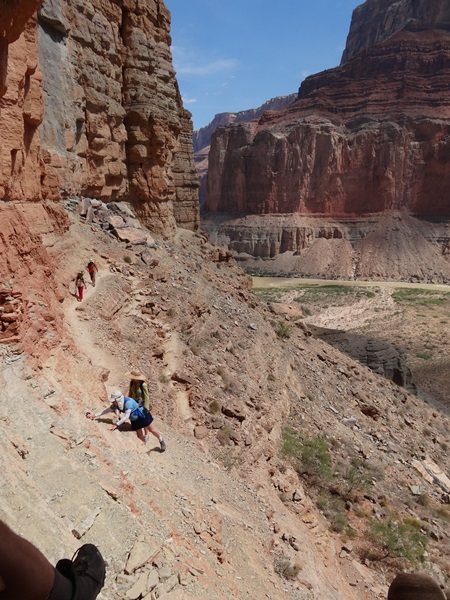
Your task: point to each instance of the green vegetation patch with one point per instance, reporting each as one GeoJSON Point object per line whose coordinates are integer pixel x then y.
{"type": "Point", "coordinates": [312, 297]}
{"type": "Point", "coordinates": [395, 538]}
{"type": "Point", "coordinates": [291, 443]}
{"type": "Point", "coordinates": [427, 298]}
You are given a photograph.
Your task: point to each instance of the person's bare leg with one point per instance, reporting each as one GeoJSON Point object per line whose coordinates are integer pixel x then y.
{"type": "Point", "coordinates": [26, 572]}
{"type": "Point", "coordinates": [152, 429]}
{"type": "Point", "coordinates": [140, 435]}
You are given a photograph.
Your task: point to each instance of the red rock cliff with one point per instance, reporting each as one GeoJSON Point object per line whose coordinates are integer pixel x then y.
{"type": "Point", "coordinates": [90, 106]}
{"type": "Point", "coordinates": [376, 20]}
{"type": "Point", "coordinates": [368, 136]}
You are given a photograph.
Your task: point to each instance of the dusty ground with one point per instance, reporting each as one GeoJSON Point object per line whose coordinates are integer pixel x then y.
{"type": "Point", "coordinates": [412, 317]}
{"type": "Point", "coordinates": [227, 511]}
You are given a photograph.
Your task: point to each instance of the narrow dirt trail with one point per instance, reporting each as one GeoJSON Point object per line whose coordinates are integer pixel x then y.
{"type": "Point", "coordinates": [84, 339]}
{"type": "Point", "coordinates": [81, 330]}
{"type": "Point", "coordinates": [172, 356]}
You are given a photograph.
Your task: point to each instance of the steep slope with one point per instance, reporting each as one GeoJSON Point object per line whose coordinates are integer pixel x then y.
{"type": "Point", "coordinates": [221, 513]}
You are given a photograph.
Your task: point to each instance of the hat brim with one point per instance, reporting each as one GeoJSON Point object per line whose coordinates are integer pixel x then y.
{"type": "Point", "coordinates": [137, 377]}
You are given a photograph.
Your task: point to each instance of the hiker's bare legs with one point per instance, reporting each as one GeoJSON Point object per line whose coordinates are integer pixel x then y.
{"type": "Point", "coordinates": [140, 434]}
{"type": "Point", "coordinates": [152, 429]}
{"type": "Point", "coordinates": [26, 572]}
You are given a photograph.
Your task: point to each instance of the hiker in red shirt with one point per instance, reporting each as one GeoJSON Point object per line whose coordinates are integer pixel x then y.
{"type": "Point", "coordinates": [92, 269]}
{"type": "Point", "coordinates": [80, 284]}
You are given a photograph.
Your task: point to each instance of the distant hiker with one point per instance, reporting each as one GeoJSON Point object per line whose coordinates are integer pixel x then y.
{"type": "Point", "coordinates": [80, 284]}
{"type": "Point", "coordinates": [26, 574]}
{"type": "Point", "coordinates": [140, 418]}
{"type": "Point", "coordinates": [92, 270]}
{"type": "Point", "coordinates": [139, 388]}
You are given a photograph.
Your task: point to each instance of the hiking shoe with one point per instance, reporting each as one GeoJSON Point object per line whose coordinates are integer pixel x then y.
{"type": "Point", "coordinates": [86, 571]}
{"type": "Point", "coordinates": [162, 443]}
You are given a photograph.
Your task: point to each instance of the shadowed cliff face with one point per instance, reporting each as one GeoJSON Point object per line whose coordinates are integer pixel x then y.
{"type": "Point", "coordinates": [91, 107]}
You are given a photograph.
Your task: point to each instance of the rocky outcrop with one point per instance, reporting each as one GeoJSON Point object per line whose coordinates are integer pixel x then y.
{"type": "Point", "coordinates": [30, 314]}
{"type": "Point", "coordinates": [202, 138]}
{"type": "Point", "coordinates": [105, 118]}
{"type": "Point", "coordinates": [380, 356]}
{"type": "Point", "coordinates": [14, 15]}
{"type": "Point", "coordinates": [21, 108]}
{"type": "Point", "coordinates": [370, 136]}
{"type": "Point", "coordinates": [185, 178]}
{"type": "Point", "coordinates": [376, 20]}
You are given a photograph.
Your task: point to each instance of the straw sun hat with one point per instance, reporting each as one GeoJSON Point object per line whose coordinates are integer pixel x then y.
{"type": "Point", "coordinates": [135, 374]}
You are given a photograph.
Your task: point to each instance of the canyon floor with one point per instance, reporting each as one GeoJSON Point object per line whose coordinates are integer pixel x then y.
{"type": "Point", "coordinates": [413, 317]}
{"type": "Point", "coordinates": [240, 389]}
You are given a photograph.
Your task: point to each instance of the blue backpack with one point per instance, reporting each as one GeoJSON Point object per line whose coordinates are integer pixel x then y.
{"type": "Point", "coordinates": [137, 412]}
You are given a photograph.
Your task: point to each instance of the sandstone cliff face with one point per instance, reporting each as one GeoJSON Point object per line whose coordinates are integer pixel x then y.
{"type": "Point", "coordinates": [105, 117]}
{"type": "Point", "coordinates": [89, 106]}
{"type": "Point", "coordinates": [369, 136]}
{"type": "Point", "coordinates": [374, 21]}
{"type": "Point", "coordinates": [202, 138]}
{"type": "Point", "coordinates": [29, 295]}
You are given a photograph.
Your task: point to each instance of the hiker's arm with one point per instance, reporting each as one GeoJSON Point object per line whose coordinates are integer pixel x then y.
{"type": "Point", "coordinates": [123, 419]}
{"type": "Point", "coordinates": [99, 414]}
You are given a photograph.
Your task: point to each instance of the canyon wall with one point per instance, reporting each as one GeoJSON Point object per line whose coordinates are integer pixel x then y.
{"type": "Point", "coordinates": [376, 20]}
{"type": "Point", "coordinates": [90, 106]}
{"type": "Point", "coordinates": [202, 138]}
{"type": "Point", "coordinates": [369, 136]}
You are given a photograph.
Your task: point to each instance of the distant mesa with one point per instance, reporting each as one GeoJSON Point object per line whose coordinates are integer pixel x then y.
{"type": "Point", "coordinates": [368, 138]}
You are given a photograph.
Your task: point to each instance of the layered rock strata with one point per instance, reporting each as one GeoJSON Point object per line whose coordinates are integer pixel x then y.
{"type": "Point", "coordinates": [91, 107]}
{"type": "Point", "coordinates": [201, 139]}
{"type": "Point", "coordinates": [376, 20]}
{"type": "Point", "coordinates": [370, 136]}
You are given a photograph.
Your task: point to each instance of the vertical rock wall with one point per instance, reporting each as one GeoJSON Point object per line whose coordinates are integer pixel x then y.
{"type": "Point", "coordinates": [89, 106]}
{"type": "Point", "coordinates": [377, 20]}
{"type": "Point", "coordinates": [105, 118]}
{"type": "Point", "coordinates": [21, 107]}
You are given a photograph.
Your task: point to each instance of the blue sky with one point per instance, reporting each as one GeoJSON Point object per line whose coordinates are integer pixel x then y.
{"type": "Point", "coordinates": [232, 55]}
